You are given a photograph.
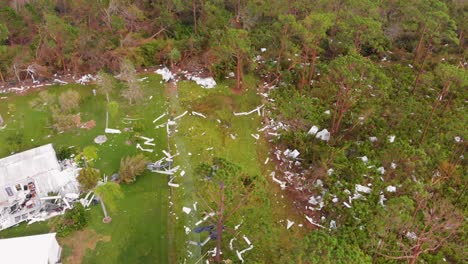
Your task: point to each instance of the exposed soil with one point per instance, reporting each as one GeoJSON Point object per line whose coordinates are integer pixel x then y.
{"type": "Point", "coordinates": [79, 242]}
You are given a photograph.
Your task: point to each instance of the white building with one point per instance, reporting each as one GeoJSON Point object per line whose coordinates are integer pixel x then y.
{"type": "Point", "coordinates": [40, 249]}
{"type": "Point", "coordinates": [27, 177]}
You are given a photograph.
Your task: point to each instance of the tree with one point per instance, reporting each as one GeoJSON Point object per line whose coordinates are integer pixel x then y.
{"type": "Point", "coordinates": [109, 192]}
{"type": "Point", "coordinates": [88, 178]}
{"type": "Point", "coordinates": [419, 227]}
{"type": "Point", "coordinates": [133, 93]}
{"type": "Point", "coordinates": [105, 84]}
{"type": "Point", "coordinates": [352, 75]}
{"type": "Point", "coordinates": [235, 44]}
{"type": "Point", "coordinates": [69, 100]}
{"type": "Point", "coordinates": [132, 166]}
{"type": "Point", "coordinates": [451, 77]}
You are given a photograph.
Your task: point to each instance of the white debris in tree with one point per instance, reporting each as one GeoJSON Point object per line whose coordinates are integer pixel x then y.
{"type": "Point", "coordinates": [391, 138]}
{"type": "Point", "coordinates": [313, 130]}
{"type": "Point", "coordinates": [165, 73]}
{"type": "Point", "coordinates": [373, 139]}
{"type": "Point", "coordinates": [364, 159]}
{"type": "Point", "coordinates": [186, 210]}
{"type": "Point", "coordinates": [390, 188]}
{"type": "Point", "coordinates": [289, 224]}
{"type": "Point", "coordinates": [323, 135]}
{"type": "Point", "coordinates": [381, 170]}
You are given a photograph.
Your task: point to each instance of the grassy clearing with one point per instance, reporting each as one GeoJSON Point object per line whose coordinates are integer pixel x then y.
{"type": "Point", "coordinates": [138, 233]}
{"type": "Point", "coordinates": [203, 139]}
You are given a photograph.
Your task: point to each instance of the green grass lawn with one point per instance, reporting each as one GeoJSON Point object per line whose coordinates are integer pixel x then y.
{"type": "Point", "coordinates": [138, 232]}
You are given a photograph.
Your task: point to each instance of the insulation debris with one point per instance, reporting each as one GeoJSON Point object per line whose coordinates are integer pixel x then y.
{"type": "Point", "coordinates": [250, 112]}
{"type": "Point", "coordinates": [198, 114]}
{"type": "Point", "coordinates": [323, 135]}
{"type": "Point", "coordinates": [289, 224]}
{"type": "Point", "coordinates": [313, 130]}
{"type": "Point", "coordinates": [186, 210]}
{"type": "Point", "coordinates": [165, 73]}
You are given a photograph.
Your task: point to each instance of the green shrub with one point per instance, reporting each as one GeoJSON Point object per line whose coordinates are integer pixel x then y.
{"type": "Point", "coordinates": [73, 220]}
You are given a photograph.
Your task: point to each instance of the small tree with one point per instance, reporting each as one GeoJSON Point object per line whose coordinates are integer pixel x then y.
{"type": "Point", "coordinates": [130, 167]}
{"type": "Point", "coordinates": [88, 178]}
{"type": "Point", "coordinates": [105, 84]}
{"type": "Point", "coordinates": [109, 192]}
{"type": "Point", "coordinates": [69, 100]}
{"type": "Point", "coordinates": [133, 93]}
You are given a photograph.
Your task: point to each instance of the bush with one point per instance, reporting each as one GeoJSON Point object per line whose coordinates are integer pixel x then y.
{"type": "Point", "coordinates": [73, 220]}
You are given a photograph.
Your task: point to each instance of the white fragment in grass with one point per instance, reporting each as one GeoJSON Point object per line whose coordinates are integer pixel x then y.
{"type": "Point", "coordinates": [313, 130]}
{"type": "Point", "coordinates": [266, 161]}
{"type": "Point", "coordinates": [362, 189]}
{"type": "Point", "coordinates": [323, 135]}
{"type": "Point", "coordinates": [138, 146]}
{"type": "Point", "coordinates": [373, 139]}
{"type": "Point", "coordinates": [195, 206]}
{"type": "Point", "coordinates": [291, 154]}
{"type": "Point", "coordinates": [390, 188]}
{"type": "Point", "coordinates": [230, 243]}
{"type": "Point", "coordinates": [457, 139]}
{"type": "Point", "coordinates": [364, 159]}
{"type": "Point", "coordinates": [207, 83]}
{"type": "Point", "coordinates": [182, 173]}
{"type": "Point", "coordinates": [381, 170]}
{"type": "Point", "coordinates": [382, 199]}
{"type": "Point", "coordinates": [312, 222]}
{"type": "Point", "coordinates": [330, 171]}
{"type": "Point", "coordinates": [263, 49]}
{"type": "Point", "coordinates": [332, 224]}
{"type": "Point", "coordinates": [165, 73]}
{"type": "Point", "coordinates": [391, 138]}
{"type": "Point", "coordinates": [281, 183]}
{"type": "Point", "coordinates": [112, 131]}
{"type": "Point", "coordinates": [159, 117]}
{"type": "Point", "coordinates": [256, 136]}
{"type": "Point", "coordinates": [335, 200]}
{"type": "Point", "coordinates": [393, 165]}
{"type": "Point", "coordinates": [198, 114]}
{"type": "Point", "coordinates": [187, 230]}
{"type": "Point", "coordinates": [289, 224]}
{"type": "Point", "coordinates": [187, 210]}
{"type": "Point", "coordinates": [250, 112]}
{"type": "Point", "coordinates": [347, 205]}
{"type": "Point", "coordinates": [232, 136]}
{"type": "Point", "coordinates": [181, 115]}
{"type": "Point", "coordinates": [327, 112]}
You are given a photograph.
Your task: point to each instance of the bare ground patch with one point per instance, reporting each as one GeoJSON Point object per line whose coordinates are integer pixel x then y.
{"type": "Point", "coordinates": [79, 242]}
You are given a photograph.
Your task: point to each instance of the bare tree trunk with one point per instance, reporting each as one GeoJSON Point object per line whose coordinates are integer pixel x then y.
{"type": "Point", "coordinates": [312, 66]}
{"type": "Point", "coordinates": [418, 77]}
{"type": "Point", "coordinates": [283, 44]}
{"type": "Point", "coordinates": [418, 48]}
{"type": "Point", "coordinates": [239, 73]}
{"type": "Point", "coordinates": [103, 207]}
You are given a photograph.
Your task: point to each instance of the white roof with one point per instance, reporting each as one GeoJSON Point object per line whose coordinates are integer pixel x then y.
{"type": "Point", "coordinates": [29, 249]}
{"type": "Point", "coordinates": [31, 164]}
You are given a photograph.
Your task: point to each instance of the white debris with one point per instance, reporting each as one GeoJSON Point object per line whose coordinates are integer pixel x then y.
{"type": "Point", "coordinates": [181, 115]}
{"type": "Point", "coordinates": [457, 139]}
{"type": "Point", "coordinates": [332, 224]}
{"type": "Point", "coordinates": [250, 112]}
{"type": "Point", "coordinates": [362, 189]}
{"type": "Point", "coordinates": [165, 73]}
{"type": "Point", "coordinates": [187, 210]}
{"type": "Point", "coordinates": [312, 222]}
{"type": "Point", "coordinates": [390, 188]}
{"type": "Point", "coordinates": [247, 240]}
{"type": "Point", "coordinates": [381, 170]}
{"type": "Point", "coordinates": [207, 83]}
{"type": "Point", "coordinates": [330, 171]}
{"type": "Point", "coordinates": [391, 138]}
{"type": "Point", "coordinates": [85, 79]}
{"type": "Point", "coordinates": [364, 159]}
{"type": "Point", "coordinates": [327, 112]}
{"type": "Point", "coordinates": [323, 135]}
{"type": "Point", "coordinates": [195, 206]}
{"type": "Point", "coordinates": [112, 131]}
{"type": "Point", "coordinates": [313, 130]}
{"type": "Point", "coordinates": [289, 224]}
{"type": "Point", "coordinates": [373, 139]}
{"type": "Point", "coordinates": [335, 200]}
{"type": "Point", "coordinates": [281, 183]}
{"type": "Point", "coordinates": [393, 165]}
{"type": "Point", "coordinates": [232, 136]}
{"type": "Point", "coordinates": [347, 205]}
{"type": "Point", "coordinates": [148, 141]}
{"type": "Point", "coordinates": [159, 117]}
{"type": "Point", "coordinates": [411, 235]}
{"type": "Point", "coordinates": [266, 161]}
{"type": "Point", "coordinates": [256, 136]}
{"type": "Point", "coordinates": [291, 154]}
{"type": "Point", "coordinates": [230, 243]}
{"type": "Point", "coordinates": [382, 199]}
{"type": "Point", "coordinates": [198, 114]}
{"type": "Point", "coordinates": [263, 49]}
{"type": "Point", "coordinates": [138, 146]}
{"type": "Point", "coordinates": [187, 230]}
{"type": "Point", "coordinates": [59, 81]}
{"type": "Point", "coordinates": [101, 139]}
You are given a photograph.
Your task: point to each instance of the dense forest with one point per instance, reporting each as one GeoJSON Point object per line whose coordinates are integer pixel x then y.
{"type": "Point", "coordinates": [386, 79]}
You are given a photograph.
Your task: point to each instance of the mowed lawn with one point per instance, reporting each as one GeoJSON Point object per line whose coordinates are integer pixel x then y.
{"type": "Point", "coordinates": [139, 230]}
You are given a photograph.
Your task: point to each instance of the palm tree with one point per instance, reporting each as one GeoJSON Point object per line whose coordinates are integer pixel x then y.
{"type": "Point", "coordinates": [110, 192]}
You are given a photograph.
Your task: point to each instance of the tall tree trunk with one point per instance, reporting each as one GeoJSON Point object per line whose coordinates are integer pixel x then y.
{"type": "Point", "coordinates": [312, 66]}
{"type": "Point", "coordinates": [421, 68]}
{"type": "Point", "coordinates": [103, 207]}
{"type": "Point", "coordinates": [194, 10]}
{"type": "Point", "coordinates": [284, 34]}
{"type": "Point", "coordinates": [239, 76]}
{"type": "Point", "coordinates": [420, 44]}
{"type": "Point", "coordinates": [1, 77]}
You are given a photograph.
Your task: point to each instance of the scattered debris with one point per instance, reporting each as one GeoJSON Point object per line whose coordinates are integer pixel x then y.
{"type": "Point", "coordinates": [159, 117]}
{"type": "Point", "coordinates": [362, 189]}
{"type": "Point", "coordinates": [186, 210]}
{"type": "Point", "coordinates": [112, 131]}
{"type": "Point", "coordinates": [323, 135]}
{"type": "Point", "coordinates": [138, 146]}
{"type": "Point", "coordinates": [313, 130]}
{"type": "Point", "coordinates": [289, 224]}
{"type": "Point", "coordinates": [207, 83]}
{"type": "Point", "coordinates": [101, 139]}
{"type": "Point", "coordinates": [391, 188]}
{"type": "Point", "coordinates": [391, 138]}
{"type": "Point", "coordinates": [364, 159]}
{"type": "Point", "coordinates": [250, 112]}
{"type": "Point", "coordinates": [256, 136]}
{"type": "Point", "coordinates": [198, 114]}
{"type": "Point", "coordinates": [165, 73]}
